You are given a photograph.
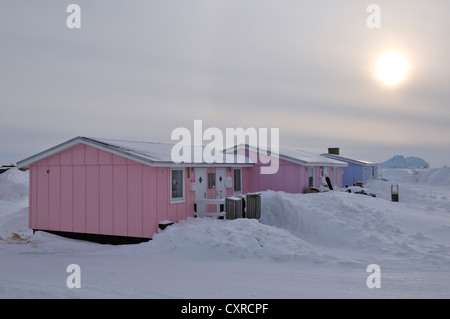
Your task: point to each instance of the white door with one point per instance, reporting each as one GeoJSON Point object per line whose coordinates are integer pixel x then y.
{"type": "Point", "coordinates": [201, 187]}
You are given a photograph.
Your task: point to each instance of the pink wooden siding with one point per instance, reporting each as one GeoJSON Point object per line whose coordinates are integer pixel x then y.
{"type": "Point", "coordinates": [66, 199]}
{"type": "Point", "coordinates": [290, 178]}
{"type": "Point", "coordinates": [87, 190]}
{"type": "Point", "coordinates": [246, 179]}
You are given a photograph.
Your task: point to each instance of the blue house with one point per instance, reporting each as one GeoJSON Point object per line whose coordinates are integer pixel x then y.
{"type": "Point", "coordinates": [357, 171]}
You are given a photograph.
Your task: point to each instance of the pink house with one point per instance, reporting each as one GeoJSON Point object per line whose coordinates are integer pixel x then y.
{"type": "Point", "coordinates": [298, 171]}
{"type": "Point", "coordinates": [122, 188]}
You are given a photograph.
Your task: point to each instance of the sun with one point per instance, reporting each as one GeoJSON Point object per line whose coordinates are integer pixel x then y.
{"type": "Point", "coordinates": [392, 68]}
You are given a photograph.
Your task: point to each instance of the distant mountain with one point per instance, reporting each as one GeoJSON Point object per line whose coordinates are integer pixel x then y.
{"type": "Point", "coordinates": [399, 161]}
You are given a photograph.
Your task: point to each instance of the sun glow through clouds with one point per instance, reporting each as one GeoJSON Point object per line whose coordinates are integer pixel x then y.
{"type": "Point", "coordinates": [392, 68]}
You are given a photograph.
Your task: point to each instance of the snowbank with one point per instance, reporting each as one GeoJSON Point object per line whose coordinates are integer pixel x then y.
{"type": "Point", "coordinates": [240, 238]}
{"type": "Point", "coordinates": [357, 228]}
{"type": "Point", "coordinates": [438, 176]}
{"type": "Point", "coordinates": [335, 219]}
{"type": "Point", "coordinates": [14, 206]}
{"type": "Point", "coordinates": [13, 184]}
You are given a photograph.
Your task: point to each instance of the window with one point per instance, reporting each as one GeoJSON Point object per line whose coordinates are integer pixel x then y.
{"type": "Point", "coordinates": [374, 172]}
{"type": "Point", "coordinates": [211, 180]}
{"type": "Point", "coordinates": [311, 177]}
{"type": "Point", "coordinates": [237, 180]}
{"type": "Point", "coordinates": [176, 185]}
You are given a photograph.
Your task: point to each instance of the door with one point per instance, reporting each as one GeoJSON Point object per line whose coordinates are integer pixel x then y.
{"type": "Point", "coordinates": [210, 185]}
{"type": "Point", "coordinates": [200, 191]}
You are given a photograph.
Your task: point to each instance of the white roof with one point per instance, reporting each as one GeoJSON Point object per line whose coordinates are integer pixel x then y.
{"type": "Point", "coordinates": [350, 160]}
{"type": "Point", "coordinates": [150, 153]}
{"type": "Point", "coordinates": [309, 159]}
{"type": "Point", "coordinates": [296, 156]}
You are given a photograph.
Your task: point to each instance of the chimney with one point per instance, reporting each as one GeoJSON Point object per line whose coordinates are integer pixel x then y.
{"type": "Point", "coordinates": [333, 150]}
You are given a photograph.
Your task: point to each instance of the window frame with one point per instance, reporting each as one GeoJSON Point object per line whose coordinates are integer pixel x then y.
{"type": "Point", "coordinates": [181, 199]}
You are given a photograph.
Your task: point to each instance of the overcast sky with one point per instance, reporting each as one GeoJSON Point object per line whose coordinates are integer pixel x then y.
{"type": "Point", "coordinates": [139, 69]}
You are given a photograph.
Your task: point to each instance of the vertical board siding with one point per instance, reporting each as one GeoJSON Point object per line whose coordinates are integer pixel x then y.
{"type": "Point", "coordinates": [54, 160]}
{"type": "Point", "coordinates": [162, 193]}
{"type": "Point", "coordinates": [66, 198]}
{"type": "Point", "coordinates": [78, 155]}
{"type": "Point", "coordinates": [118, 159]}
{"type": "Point", "coordinates": [54, 205]}
{"type": "Point", "coordinates": [79, 199]}
{"type": "Point", "coordinates": [42, 197]}
{"type": "Point", "coordinates": [135, 200]}
{"type": "Point", "coordinates": [89, 190]}
{"type": "Point", "coordinates": [290, 177]}
{"type": "Point", "coordinates": [92, 199]}
{"type": "Point", "coordinates": [120, 200]}
{"type": "Point", "coordinates": [32, 218]}
{"type": "Point", "coordinates": [104, 158]}
{"type": "Point", "coordinates": [106, 199]}
{"type": "Point", "coordinates": [91, 156]}
{"type": "Point", "coordinates": [245, 180]}
{"type": "Point", "coordinates": [149, 201]}
{"type": "Point", "coordinates": [65, 157]}
{"type": "Point", "coordinates": [172, 212]}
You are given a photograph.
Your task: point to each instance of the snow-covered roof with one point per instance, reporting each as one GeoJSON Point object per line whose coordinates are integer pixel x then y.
{"type": "Point", "coordinates": [296, 156]}
{"type": "Point", "coordinates": [310, 159]}
{"type": "Point", "coordinates": [350, 160]}
{"type": "Point", "coordinates": [149, 153]}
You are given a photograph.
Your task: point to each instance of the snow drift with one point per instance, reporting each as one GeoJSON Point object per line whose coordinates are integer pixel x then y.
{"type": "Point", "coordinates": [335, 219]}
{"type": "Point", "coordinates": [13, 185]}
{"type": "Point", "coordinates": [14, 206]}
{"type": "Point", "coordinates": [241, 238]}
{"type": "Point", "coordinates": [437, 177]}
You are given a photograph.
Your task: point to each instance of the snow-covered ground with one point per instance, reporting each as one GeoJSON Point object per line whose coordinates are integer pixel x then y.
{"type": "Point", "coordinates": [304, 246]}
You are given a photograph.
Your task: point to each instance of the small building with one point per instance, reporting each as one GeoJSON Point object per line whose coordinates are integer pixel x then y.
{"type": "Point", "coordinates": [123, 188]}
{"type": "Point", "coordinates": [298, 171]}
{"type": "Point", "coordinates": [357, 171]}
